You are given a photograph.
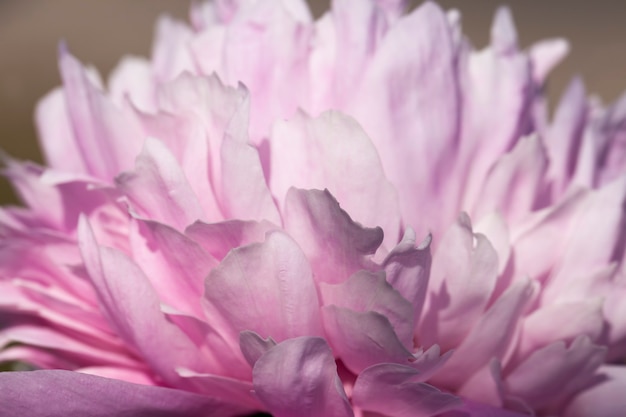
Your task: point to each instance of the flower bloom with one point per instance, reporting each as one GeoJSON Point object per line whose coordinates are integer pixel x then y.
{"type": "Point", "coordinates": [357, 216]}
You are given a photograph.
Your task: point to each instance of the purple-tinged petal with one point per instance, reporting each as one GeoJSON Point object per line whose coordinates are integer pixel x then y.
{"type": "Point", "coordinates": [219, 238]}
{"type": "Point", "coordinates": [299, 377]}
{"type": "Point", "coordinates": [554, 372]}
{"type": "Point", "coordinates": [228, 390]}
{"type": "Point", "coordinates": [333, 152]}
{"type": "Point", "coordinates": [363, 339]}
{"type": "Point", "coordinates": [485, 385]}
{"type": "Point", "coordinates": [463, 276]}
{"type": "Point", "coordinates": [397, 390]}
{"type": "Point", "coordinates": [474, 409]}
{"type": "Point", "coordinates": [108, 140]}
{"type": "Point", "coordinates": [407, 269]}
{"type": "Point", "coordinates": [335, 245]}
{"type": "Point", "coordinates": [480, 345]}
{"type": "Point", "coordinates": [175, 265]}
{"type": "Point", "coordinates": [158, 189]}
{"type": "Point", "coordinates": [65, 393]}
{"type": "Point", "coordinates": [254, 346]}
{"type": "Point", "coordinates": [605, 398]}
{"type": "Point", "coordinates": [367, 291]}
{"type": "Point", "coordinates": [264, 287]}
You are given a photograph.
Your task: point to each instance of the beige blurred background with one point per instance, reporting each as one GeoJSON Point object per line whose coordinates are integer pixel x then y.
{"type": "Point", "coordinates": [100, 31]}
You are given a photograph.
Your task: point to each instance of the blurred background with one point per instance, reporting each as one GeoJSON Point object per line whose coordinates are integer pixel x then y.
{"type": "Point", "coordinates": [100, 32]}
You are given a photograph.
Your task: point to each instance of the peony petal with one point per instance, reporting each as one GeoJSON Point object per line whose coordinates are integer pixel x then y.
{"type": "Point", "coordinates": [407, 269]}
{"type": "Point", "coordinates": [363, 339]}
{"type": "Point", "coordinates": [264, 287]}
{"type": "Point", "coordinates": [463, 277]}
{"type": "Point", "coordinates": [219, 238]}
{"type": "Point", "coordinates": [333, 152]}
{"type": "Point", "coordinates": [175, 265]}
{"type": "Point", "coordinates": [108, 140]}
{"type": "Point", "coordinates": [604, 399]}
{"type": "Point", "coordinates": [335, 245]}
{"type": "Point", "coordinates": [132, 82]}
{"type": "Point", "coordinates": [398, 391]}
{"type": "Point", "coordinates": [366, 291]}
{"type": "Point", "coordinates": [299, 377]}
{"type": "Point", "coordinates": [171, 55]}
{"type": "Point", "coordinates": [132, 307]}
{"type": "Point", "coordinates": [545, 55]}
{"type": "Point", "coordinates": [157, 188]}
{"type": "Point", "coordinates": [479, 347]}
{"type": "Point", "coordinates": [254, 346]}
{"type": "Point", "coordinates": [64, 393]}
{"type": "Point", "coordinates": [564, 370]}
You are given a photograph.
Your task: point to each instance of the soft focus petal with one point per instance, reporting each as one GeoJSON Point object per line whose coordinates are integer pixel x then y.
{"type": "Point", "coordinates": [606, 398]}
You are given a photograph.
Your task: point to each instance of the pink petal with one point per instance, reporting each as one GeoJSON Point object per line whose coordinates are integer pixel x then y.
{"type": "Point", "coordinates": [479, 347]}
{"type": "Point", "coordinates": [408, 103]}
{"type": "Point", "coordinates": [158, 189]}
{"type": "Point", "coordinates": [299, 377]}
{"type": "Point", "coordinates": [254, 346]}
{"type": "Point", "coordinates": [175, 265]}
{"type": "Point", "coordinates": [463, 276]}
{"type": "Point", "coordinates": [108, 140]}
{"type": "Point", "coordinates": [363, 339]}
{"type": "Point", "coordinates": [407, 269]}
{"type": "Point", "coordinates": [335, 245]}
{"type": "Point", "coordinates": [64, 393]}
{"type": "Point", "coordinates": [132, 82]}
{"type": "Point", "coordinates": [170, 54]}
{"type": "Point", "coordinates": [132, 307]}
{"type": "Point", "coordinates": [219, 238]}
{"type": "Point", "coordinates": [604, 399]}
{"type": "Point", "coordinates": [333, 152]}
{"type": "Point", "coordinates": [545, 55]}
{"type": "Point", "coordinates": [264, 287]}
{"type": "Point", "coordinates": [554, 372]}
{"type": "Point", "coordinates": [366, 291]}
{"type": "Point", "coordinates": [398, 391]}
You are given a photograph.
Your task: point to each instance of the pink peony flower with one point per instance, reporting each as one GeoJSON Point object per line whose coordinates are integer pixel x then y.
{"type": "Point", "coordinates": [273, 215]}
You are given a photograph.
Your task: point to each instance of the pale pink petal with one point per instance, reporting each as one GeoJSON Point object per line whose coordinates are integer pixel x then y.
{"type": "Point", "coordinates": [363, 339]}
{"type": "Point", "coordinates": [554, 372]}
{"type": "Point", "coordinates": [545, 55]}
{"type": "Point", "coordinates": [219, 238]}
{"type": "Point", "coordinates": [480, 345]}
{"type": "Point", "coordinates": [407, 269]}
{"type": "Point", "coordinates": [64, 393]}
{"type": "Point", "coordinates": [132, 307]}
{"type": "Point", "coordinates": [175, 265]}
{"type": "Point", "coordinates": [605, 398]}
{"type": "Point", "coordinates": [56, 134]}
{"type": "Point", "coordinates": [463, 276]}
{"type": "Point", "coordinates": [398, 391]}
{"type": "Point", "coordinates": [408, 103]}
{"type": "Point", "coordinates": [333, 152]}
{"type": "Point", "coordinates": [366, 291]}
{"type": "Point", "coordinates": [264, 287]}
{"type": "Point", "coordinates": [299, 377]}
{"type": "Point", "coordinates": [171, 55]}
{"type": "Point", "coordinates": [132, 81]}
{"type": "Point", "coordinates": [335, 245]}
{"type": "Point", "coordinates": [135, 376]}
{"type": "Point", "coordinates": [108, 140]}
{"type": "Point", "coordinates": [158, 189]}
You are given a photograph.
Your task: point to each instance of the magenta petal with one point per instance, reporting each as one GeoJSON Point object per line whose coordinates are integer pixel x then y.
{"type": "Point", "coordinates": [335, 245]}
{"type": "Point", "coordinates": [64, 393]}
{"type": "Point", "coordinates": [264, 287]}
{"type": "Point", "coordinates": [298, 377]}
{"type": "Point", "coordinates": [254, 346]}
{"type": "Point", "coordinates": [397, 391]}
